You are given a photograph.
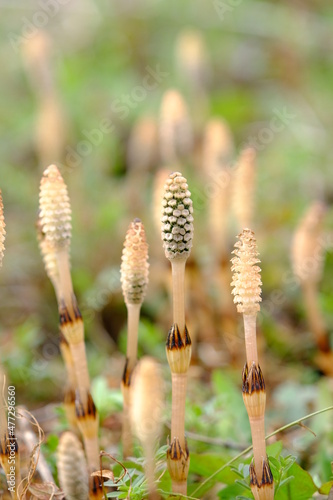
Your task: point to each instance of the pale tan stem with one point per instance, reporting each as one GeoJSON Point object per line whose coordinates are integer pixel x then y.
{"type": "Point", "coordinates": [150, 470]}
{"type": "Point", "coordinates": [178, 291]}
{"type": "Point", "coordinates": [126, 428]}
{"type": "Point", "coordinates": [133, 318]}
{"type": "Point", "coordinates": [31, 442]}
{"type": "Point", "coordinates": [92, 453]}
{"type": "Point", "coordinates": [259, 445]}
{"type": "Point", "coordinates": [179, 487]}
{"type": "Point", "coordinates": [65, 281]}
{"type": "Point", "coordinates": [315, 319]}
{"type": "Point", "coordinates": [3, 419]}
{"type": "Point", "coordinates": [250, 339]}
{"type": "Point", "coordinates": [81, 369]}
{"type": "Point", "coordinates": [179, 383]}
{"type": "Point", "coordinates": [70, 369]}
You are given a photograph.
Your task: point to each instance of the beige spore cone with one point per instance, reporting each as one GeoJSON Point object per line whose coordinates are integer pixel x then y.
{"type": "Point", "coordinates": [2, 230]}
{"type": "Point", "coordinates": [246, 281]}
{"type": "Point", "coordinates": [134, 264]}
{"type": "Point", "coordinates": [55, 211]}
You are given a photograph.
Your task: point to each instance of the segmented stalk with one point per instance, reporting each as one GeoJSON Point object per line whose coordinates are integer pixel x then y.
{"type": "Point", "coordinates": [247, 296]}
{"type": "Point", "coordinates": [147, 405]}
{"type": "Point", "coordinates": [134, 280]}
{"type": "Point", "coordinates": [2, 230]}
{"type": "Point", "coordinates": [55, 226]}
{"type": "Point", "coordinates": [177, 236]}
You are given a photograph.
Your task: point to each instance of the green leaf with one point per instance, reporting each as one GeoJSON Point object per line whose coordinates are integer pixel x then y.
{"type": "Point", "coordinates": [206, 464]}
{"type": "Point", "coordinates": [326, 488]}
{"type": "Point", "coordinates": [301, 487]}
{"type": "Point", "coordinates": [234, 491]}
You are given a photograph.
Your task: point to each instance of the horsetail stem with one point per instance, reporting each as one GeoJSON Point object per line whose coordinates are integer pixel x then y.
{"type": "Point", "coordinates": [177, 236]}
{"type": "Point", "coordinates": [147, 402]}
{"type": "Point", "coordinates": [72, 467]}
{"type": "Point", "coordinates": [308, 263]}
{"type": "Point", "coordinates": [55, 225]}
{"type": "Point", "coordinates": [8, 441]}
{"type": "Point", "coordinates": [2, 230]}
{"type": "Point", "coordinates": [134, 280]}
{"type": "Point", "coordinates": [247, 296]}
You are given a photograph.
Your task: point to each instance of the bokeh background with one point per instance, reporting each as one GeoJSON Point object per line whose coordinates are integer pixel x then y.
{"type": "Point", "coordinates": [259, 60]}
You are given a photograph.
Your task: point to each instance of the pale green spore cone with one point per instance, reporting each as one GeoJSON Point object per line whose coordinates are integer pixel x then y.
{"type": "Point", "coordinates": [177, 218]}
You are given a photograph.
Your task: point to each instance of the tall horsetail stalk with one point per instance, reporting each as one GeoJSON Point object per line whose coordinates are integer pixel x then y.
{"type": "Point", "coordinates": [244, 187]}
{"type": "Point", "coordinates": [2, 230]}
{"type": "Point", "coordinates": [72, 467]}
{"type": "Point", "coordinates": [247, 296]}
{"type": "Point", "coordinates": [134, 280]}
{"type": "Point", "coordinates": [175, 128]}
{"type": "Point", "coordinates": [177, 236]}
{"type": "Point", "coordinates": [55, 224]}
{"type": "Point", "coordinates": [9, 451]}
{"type": "Point", "coordinates": [308, 263]}
{"type": "Point", "coordinates": [147, 404]}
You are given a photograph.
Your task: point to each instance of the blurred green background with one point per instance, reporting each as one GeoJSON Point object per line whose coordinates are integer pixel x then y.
{"type": "Point", "coordinates": [264, 59]}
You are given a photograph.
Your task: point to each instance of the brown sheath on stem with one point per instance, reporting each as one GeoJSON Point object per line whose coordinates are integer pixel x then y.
{"type": "Point", "coordinates": [9, 453]}
{"type": "Point", "coordinates": [87, 420]}
{"type": "Point", "coordinates": [264, 489]}
{"type": "Point", "coordinates": [96, 491]}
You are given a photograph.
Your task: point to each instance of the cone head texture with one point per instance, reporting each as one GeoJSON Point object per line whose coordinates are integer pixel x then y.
{"type": "Point", "coordinates": [55, 210]}
{"type": "Point", "coordinates": [134, 264]}
{"type": "Point", "coordinates": [246, 281]}
{"type": "Point", "coordinates": [177, 218]}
